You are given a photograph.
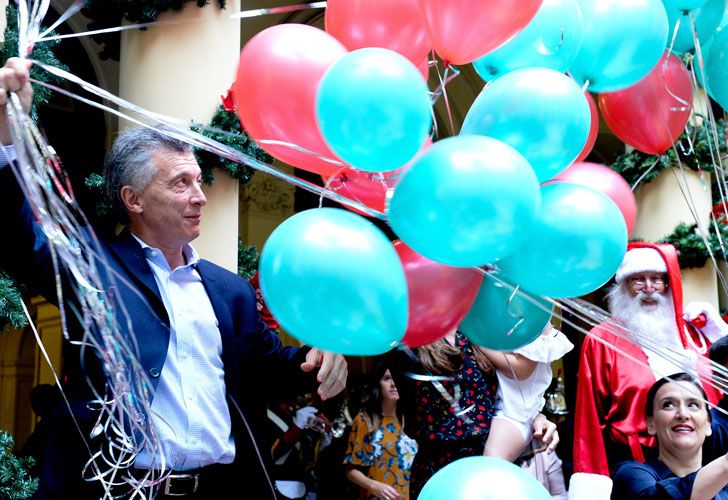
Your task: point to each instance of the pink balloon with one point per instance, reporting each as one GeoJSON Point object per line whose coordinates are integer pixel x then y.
{"type": "Point", "coordinates": [396, 25]}
{"type": "Point", "coordinates": [439, 296]}
{"type": "Point", "coordinates": [651, 114]}
{"type": "Point", "coordinates": [593, 129]}
{"type": "Point", "coordinates": [606, 180]}
{"type": "Point", "coordinates": [464, 30]}
{"type": "Point", "coordinates": [275, 92]}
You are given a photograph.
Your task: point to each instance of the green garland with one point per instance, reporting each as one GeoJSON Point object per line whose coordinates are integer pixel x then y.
{"type": "Point", "coordinates": [225, 128]}
{"type": "Point", "coordinates": [248, 258]}
{"type": "Point", "coordinates": [633, 166]}
{"type": "Point", "coordinates": [692, 252]}
{"type": "Point", "coordinates": [110, 13]}
{"type": "Point", "coordinates": [15, 481]}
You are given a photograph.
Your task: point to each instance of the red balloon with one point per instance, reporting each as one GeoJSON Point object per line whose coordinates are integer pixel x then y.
{"type": "Point", "coordinates": [275, 92]}
{"type": "Point", "coordinates": [609, 182]}
{"type": "Point", "coordinates": [396, 25]}
{"type": "Point", "coordinates": [463, 30]}
{"type": "Point", "coordinates": [367, 187]}
{"type": "Point", "coordinates": [439, 296]}
{"type": "Point", "coordinates": [651, 115]}
{"type": "Point", "coordinates": [593, 129]}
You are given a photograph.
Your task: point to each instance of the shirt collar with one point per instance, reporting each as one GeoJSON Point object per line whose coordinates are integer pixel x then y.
{"type": "Point", "coordinates": [191, 256]}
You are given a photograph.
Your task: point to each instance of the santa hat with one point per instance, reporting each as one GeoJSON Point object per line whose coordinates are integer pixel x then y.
{"type": "Point", "coordinates": [640, 260]}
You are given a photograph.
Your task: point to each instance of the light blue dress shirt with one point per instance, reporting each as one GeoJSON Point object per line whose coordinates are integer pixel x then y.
{"type": "Point", "coordinates": [189, 409]}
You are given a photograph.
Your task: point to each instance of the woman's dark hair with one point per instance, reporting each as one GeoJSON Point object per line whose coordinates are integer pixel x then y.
{"type": "Point", "coordinates": [372, 398]}
{"type": "Point", "coordinates": [678, 377]}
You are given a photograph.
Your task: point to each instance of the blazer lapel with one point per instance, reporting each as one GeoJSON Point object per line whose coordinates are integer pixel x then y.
{"type": "Point", "coordinates": [131, 256]}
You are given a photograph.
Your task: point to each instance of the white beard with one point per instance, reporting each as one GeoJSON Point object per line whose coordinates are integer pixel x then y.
{"type": "Point", "coordinates": [653, 328]}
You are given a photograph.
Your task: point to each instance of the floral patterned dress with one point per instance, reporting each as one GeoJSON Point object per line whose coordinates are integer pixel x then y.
{"type": "Point", "coordinates": [386, 452]}
{"type": "Point", "coordinates": [452, 427]}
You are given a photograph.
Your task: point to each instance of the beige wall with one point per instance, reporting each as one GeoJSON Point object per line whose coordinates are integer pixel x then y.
{"type": "Point", "coordinates": [662, 206]}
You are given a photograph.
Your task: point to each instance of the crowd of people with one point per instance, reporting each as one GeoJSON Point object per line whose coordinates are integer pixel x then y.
{"type": "Point", "coordinates": [229, 404]}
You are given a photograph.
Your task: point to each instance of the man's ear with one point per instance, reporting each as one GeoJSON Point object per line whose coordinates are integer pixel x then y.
{"type": "Point", "coordinates": [131, 200]}
{"type": "Point", "coordinates": [651, 426]}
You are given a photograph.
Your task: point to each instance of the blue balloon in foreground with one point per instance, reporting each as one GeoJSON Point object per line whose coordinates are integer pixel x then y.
{"type": "Point", "coordinates": [716, 68]}
{"type": "Point", "coordinates": [683, 5]}
{"type": "Point", "coordinates": [623, 41]}
{"type": "Point", "coordinates": [574, 247]}
{"type": "Point", "coordinates": [466, 201]}
{"type": "Point", "coordinates": [551, 40]}
{"type": "Point", "coordinates": [707, 19]}
{"type": "Point", "coordinates": [540, 112]}
{"type": "Point", "coordinates": [503, 320]}
{"type": "Point", "coordinates": [334, 281]}
{"type": "Point", "coordinates": [373, 109]}
{"type": "Point", "coordinates": [483, 478]}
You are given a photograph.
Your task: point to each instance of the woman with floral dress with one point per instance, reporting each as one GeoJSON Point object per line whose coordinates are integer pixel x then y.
{"type": "Point", "coordinates": [449, 394]}
{"type": "Point", "coordinates": [379, 456]}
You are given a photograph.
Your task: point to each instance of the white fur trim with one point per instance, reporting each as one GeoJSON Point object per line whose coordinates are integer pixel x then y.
{"type": "Point", "coordinates": [640, 260]}
{"type": "Point", "coordinates": [589, 486]}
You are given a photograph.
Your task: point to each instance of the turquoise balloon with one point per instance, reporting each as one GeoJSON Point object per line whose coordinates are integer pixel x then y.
{"type": "Point", "coordinates": [540, 112]}
{"type": "Point", "coordinates": [716, 68]}
{"type": "Point", "coordinates": [334, 281]}
{"type": "Point", "coordinates": [707, 19]}
{"type": "Point", "coordinates": [683, 5]}
{"type": "Point", "coordinates": [373, 109]}
{"type": "Point", "coordinates": [503, 320]}
{"type": "Point", "coordinates": [623, 41]}
{"type": "Point", "coordinates": [574, 247]}
{"type": "Point", "coordinates": [466, 201]}
{"type": "Point", "coordinates": [483, 478]}
{"type": "Point", "coordinates": [551, 40]}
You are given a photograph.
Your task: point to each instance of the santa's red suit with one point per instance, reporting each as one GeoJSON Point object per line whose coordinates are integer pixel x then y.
{"type": "Point", "coordinates": [613, 382]}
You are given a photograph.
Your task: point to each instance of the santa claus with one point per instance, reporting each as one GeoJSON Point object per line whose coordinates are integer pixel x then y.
{"type": "Point", "coordinates": [647, 339]}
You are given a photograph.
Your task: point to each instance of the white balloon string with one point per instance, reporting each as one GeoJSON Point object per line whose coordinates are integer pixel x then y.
{"type": "Point", "coordinates": [76, 6]}
{"type": "Point", "coordinates": [279, 10]}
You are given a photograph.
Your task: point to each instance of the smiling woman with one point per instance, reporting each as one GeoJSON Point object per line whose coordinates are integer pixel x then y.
{"type": "Point", "coordinates": [677, 415]}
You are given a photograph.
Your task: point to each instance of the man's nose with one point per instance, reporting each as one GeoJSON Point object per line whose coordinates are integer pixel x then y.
{"type": "Point", "coordinates": [198, 196]}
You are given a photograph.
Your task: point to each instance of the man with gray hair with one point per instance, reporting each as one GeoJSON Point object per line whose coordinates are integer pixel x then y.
{"type": "Point", "coordinates": [648, 339]}
{"type": "Point", "coordinates": [210, 359]}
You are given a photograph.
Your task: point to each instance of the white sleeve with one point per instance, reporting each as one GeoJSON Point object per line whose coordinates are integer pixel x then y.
{"type": "Point", "coordinates": [589, 486]}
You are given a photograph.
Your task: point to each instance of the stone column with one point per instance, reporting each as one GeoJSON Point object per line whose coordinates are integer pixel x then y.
{"type": "Point", "coordinates": [181, 70]}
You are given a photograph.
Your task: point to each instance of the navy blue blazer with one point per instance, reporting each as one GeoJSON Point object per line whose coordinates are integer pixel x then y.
{"type": "Point", "coordinates": [255, 361]}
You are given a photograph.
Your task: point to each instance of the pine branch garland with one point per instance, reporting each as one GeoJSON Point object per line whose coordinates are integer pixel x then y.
{"type": "Point", "coordinates": [12, 315]}
{"type": "Point", "coordinates": [15, 480]}
{"type": "Point", "coordinates": [231, 135]}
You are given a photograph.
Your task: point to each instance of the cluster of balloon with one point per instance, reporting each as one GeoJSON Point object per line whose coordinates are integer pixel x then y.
{"type": "Point", "coordinates": [483, 478]}
{"type": "Point", "coordinates": [351, 104]}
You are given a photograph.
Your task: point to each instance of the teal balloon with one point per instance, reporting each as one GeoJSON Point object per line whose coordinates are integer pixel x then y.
{"type": "Point", "coordinates": [623, 41]}
{"type": "Point", "coordinates": [540, 112]}
{"type": "Point", "coordinates": [466, 201]}
{"type": "Point", "coordinates": [483, 478]}
{"type": "Point", "coordinates": [716, 68]}
{"type": "Point", "coordinates": [373, 109]}
{"type": "Point", "coordinates": [707, 19]}
{"type": "Point", "coordinates": [683, 5]}
{"type": "Point", "coordinates": [503, 320]}
{"type": "Point", "coordinates": [574, 247]}
{"type": "Point", "coordinates": [551, 40]}
{"type": "Point", "coordinates": [334, 281]}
